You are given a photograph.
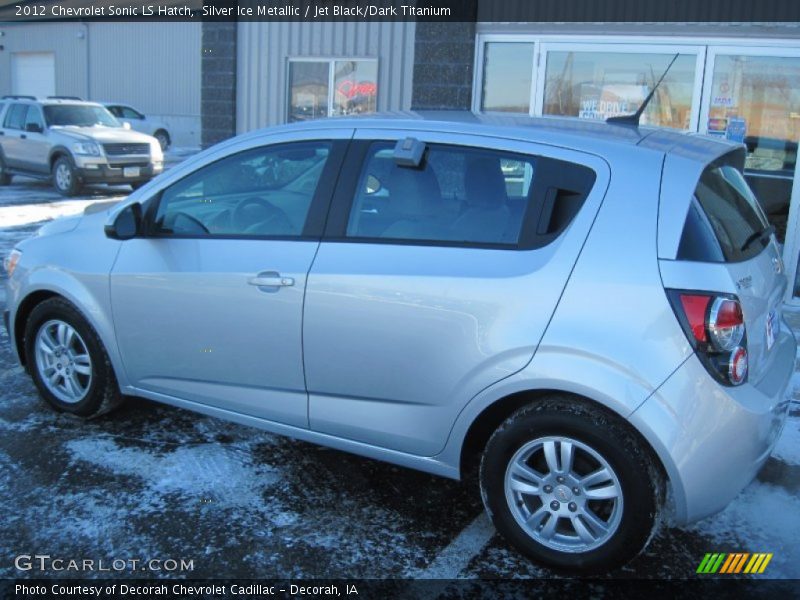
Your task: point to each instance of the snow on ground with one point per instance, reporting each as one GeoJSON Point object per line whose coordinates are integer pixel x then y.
{"type": "Point", "coordinates": [155, 481]}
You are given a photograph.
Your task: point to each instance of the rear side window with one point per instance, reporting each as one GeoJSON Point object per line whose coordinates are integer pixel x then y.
{"type": "Point", "coordinates": [724, 219]}
{"type": "Point", "coordinates": [15, 118]}
{"type": "Point", "coordinates": [466, 196]}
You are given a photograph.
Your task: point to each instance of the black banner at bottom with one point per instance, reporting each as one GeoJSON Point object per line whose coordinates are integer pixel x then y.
{"type": "Point", "coordinates": [352, 589]}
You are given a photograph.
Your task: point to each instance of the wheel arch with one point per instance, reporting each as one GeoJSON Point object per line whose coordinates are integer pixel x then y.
{"type": "Point", "coordinates": [494, 413]}
{"type": "Point", "coordinates": [84, 302]}
{"type": "Point", "coordinates": [57, 152]}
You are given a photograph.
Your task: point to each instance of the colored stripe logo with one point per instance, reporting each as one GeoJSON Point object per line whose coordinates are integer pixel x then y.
{"type": "Point", "coordinates": [733, 563]}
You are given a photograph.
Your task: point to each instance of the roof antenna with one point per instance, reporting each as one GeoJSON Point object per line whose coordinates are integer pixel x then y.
{"type": "Point", "coordinates": [634, 118]}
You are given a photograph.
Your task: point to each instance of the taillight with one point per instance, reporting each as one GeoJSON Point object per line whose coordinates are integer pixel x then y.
{"type": "Point", "coordinates": [714, 324]}
{"type": "Point", "coordinates": [726, 323]}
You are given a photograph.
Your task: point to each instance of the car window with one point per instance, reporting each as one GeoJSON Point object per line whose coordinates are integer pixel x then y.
{"type": "Point", "coordinates": [459, 194]}
{"type": "Point", "coordinates": [34, 117]}
{"type": "Point", "coordinates": [127, 112]}
{"type": "Point", "coordinates": [261, 192]}
{"type": "Point", "coordinates": [15, 118]}
{"type": "Point", "coordinates": [730, 212]}
{"type": "Point", "coordinates": [79, 115]}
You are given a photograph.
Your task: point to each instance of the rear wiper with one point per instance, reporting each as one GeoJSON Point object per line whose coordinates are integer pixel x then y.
{"type": "Point", "coordinates": [758, 235]}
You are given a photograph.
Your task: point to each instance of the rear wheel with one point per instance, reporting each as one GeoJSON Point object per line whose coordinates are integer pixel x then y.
{"type": "Point", "coordinates": [5, 176]}
{"type": "Point", "coordinates": [68, 363]}
{"type": "Point", "coordinates": [570, 486]}
{"type": "Point", "coordinates": [163, 138]}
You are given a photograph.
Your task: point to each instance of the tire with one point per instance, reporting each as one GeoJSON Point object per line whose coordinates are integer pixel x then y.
{"type": "Point", "coordinates": [65, 179]}
{"type": "Point", "coordinates": [545, 511]}
{"type": "Point", "coordinates": [61, 342]}
{"type": "Point", "coordinates": [163, 138]}
{"type": "Point", "coordinates": [5, 176]}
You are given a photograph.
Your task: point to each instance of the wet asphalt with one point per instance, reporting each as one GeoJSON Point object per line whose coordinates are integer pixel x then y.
{"type": "Point", "coordinates": [155, 482]}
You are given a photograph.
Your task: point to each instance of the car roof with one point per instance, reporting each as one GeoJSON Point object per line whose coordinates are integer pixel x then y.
{"type": "Point", "coordinates": [581, 134]}
{"type": "Point", "coordinates": [47, 101]}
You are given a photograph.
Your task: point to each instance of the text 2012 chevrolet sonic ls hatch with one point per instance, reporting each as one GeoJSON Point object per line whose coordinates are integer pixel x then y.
{"type": "Point", "coordinates": [592, 309]}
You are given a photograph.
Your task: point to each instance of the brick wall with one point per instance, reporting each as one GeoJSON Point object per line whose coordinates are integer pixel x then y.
{"type": "Point", "coordinates": [218, 82]}
{"type": "Point", "coordinates": [443, 65]}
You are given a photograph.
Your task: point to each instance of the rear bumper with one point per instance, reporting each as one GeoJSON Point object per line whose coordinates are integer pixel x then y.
{"type": "Point", "coordinates": [712, 439]}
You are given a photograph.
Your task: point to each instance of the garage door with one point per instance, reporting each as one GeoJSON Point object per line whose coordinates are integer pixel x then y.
{"type": "Point", "coordinates": [33, 73]}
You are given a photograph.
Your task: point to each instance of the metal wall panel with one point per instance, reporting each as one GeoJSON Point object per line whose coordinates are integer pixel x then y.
{"type": "Point", "coordinates": [67, 41]}
{"type": "Point", "coordinates": [154, 66]}
{"type": "Point", "coordinates": [264, 48]}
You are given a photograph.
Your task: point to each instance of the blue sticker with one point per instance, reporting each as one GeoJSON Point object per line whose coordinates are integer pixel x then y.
{"type": "Point", "coordinates": [736, 129]}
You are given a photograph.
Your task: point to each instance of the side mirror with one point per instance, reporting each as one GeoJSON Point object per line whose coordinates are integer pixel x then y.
{"type": "Point", "coordinates": [126, 125]}
{"type": "Point", "coordinates": [127, 225]}
{"type": "Point", "coordinates": [33, 128]}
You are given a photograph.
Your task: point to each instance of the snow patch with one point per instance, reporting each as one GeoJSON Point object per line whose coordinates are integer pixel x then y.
{"type": "Point", "coordinates": [210, 470]}
{"type": "Point", "coordinates": [763, 518]}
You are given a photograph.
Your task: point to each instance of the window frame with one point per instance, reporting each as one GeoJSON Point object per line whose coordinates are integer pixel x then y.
{"type": "Point", "coordinates": [331, 61]}
{"type": "Point", "coordinates": [317, 211]}
{"type": "Point", "coordinates": [544, 44]}
{"type": "Point", "coordinates": [356, 159]}
{"type": "Point", "coordinates": [10, 110]}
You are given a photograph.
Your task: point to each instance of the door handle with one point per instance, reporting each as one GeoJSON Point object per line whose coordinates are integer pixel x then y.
{"type": "Point", "coordinates": [271, 280]}
{"type": "Point", "coordinates": [23, 136]}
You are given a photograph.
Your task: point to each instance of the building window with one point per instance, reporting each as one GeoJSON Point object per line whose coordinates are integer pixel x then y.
{"type": "Point", "coordinates": [599, 85]}
{"type": "Point", "coordinates": [507, 77]}
{"type": "Point", "coordinates": [320, 88]}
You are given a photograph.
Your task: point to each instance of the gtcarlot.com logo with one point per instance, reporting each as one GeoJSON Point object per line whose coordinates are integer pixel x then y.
{"type": "Point", "coordinates": [736, 562]}
{"type": "Point", "coordinates": [45, 562]}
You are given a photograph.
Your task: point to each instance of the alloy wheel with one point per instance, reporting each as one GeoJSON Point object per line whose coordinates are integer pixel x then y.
{"type": "Point", "coordinates": [563, 494]}
{"type": "Point", "coordinates": [63, 361]}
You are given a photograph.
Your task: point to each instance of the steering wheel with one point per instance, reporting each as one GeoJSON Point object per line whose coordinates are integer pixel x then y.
{"type": "Point", "coordinates": [267, 215]}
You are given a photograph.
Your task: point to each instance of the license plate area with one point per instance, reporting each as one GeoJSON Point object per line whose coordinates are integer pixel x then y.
{"type": "Point", "coordinates": [773, 328]}
{"type": "Point", "coordinates": [131, 171]}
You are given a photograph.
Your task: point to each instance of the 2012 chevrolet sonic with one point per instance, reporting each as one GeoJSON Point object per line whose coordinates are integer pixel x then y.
{"type": "Point", "coordinates": [592, 310]}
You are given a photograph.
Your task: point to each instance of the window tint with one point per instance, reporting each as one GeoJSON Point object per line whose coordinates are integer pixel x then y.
{"type": "Point", "coordinates": [127, 112]}
{"type": "Point", "coordinates": [460, 195]}
{"type": "Point", "coordinates": [34, 117]}
{"type": "Point", "coordinates": [727, 209]}
{"type": "Point", "coordinates": [15, 118]}
{"type": "Point", "coordinates": [262, 192]}
{"type": "Point", "coordinates": [80, 115]}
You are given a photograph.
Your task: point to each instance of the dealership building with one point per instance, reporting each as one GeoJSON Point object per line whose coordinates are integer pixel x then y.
{"type": "Point", "coordinates": [739, 80]}
{"type": "Point", "coordinates": [588, 60]}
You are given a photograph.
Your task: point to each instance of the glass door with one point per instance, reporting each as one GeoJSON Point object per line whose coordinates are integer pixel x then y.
{"type": "Point", "coordinates": [752, 95]}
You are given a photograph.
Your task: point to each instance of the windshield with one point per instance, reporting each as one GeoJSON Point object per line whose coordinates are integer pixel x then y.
{"type": "Point", "coordinates": [79, 115]}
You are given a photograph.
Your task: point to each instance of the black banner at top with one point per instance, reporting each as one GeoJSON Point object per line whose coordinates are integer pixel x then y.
{"type": "Point", "coordinates": [573, 11]}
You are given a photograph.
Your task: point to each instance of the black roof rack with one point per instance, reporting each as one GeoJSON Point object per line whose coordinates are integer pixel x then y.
{"type": "Point", "coordinates": [64, 98]}
{"type": "Point", "coordinates": [15, 97]}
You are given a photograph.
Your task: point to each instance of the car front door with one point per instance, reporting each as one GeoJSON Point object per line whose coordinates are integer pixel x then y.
{"type": "Point", "coordinates": [208, 306]}
{"type": "Point", "coordinates": [36, 148]}
{"type": "Point", "coordinates": [436, 281]}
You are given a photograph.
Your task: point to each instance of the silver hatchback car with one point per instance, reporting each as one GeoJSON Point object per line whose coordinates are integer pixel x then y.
{"type": "Point", "coordinates": [592, 311]}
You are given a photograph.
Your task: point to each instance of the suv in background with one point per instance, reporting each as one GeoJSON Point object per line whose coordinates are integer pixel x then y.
{"type": "Point", "coordinates": [72, 142]}
{"type": "Point", "coordinates": [140, 122]}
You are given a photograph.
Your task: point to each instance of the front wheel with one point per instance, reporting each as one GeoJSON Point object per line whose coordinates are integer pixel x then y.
{"type": "Point", "coordinates": [5, 176]}
{"type": "Point", "coordinates": [65, 179]}
{"type": "Point", "coordinates": [67, 360]}
{"type": "Point", "coordinates": [570, 486]}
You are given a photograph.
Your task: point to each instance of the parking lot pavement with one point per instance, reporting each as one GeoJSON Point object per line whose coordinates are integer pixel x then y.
{"type": "Point", "coordinates": [152, 481]}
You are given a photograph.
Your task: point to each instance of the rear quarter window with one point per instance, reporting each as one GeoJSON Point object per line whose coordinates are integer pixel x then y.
{"type": "Point", "coordinates": [723, 219]}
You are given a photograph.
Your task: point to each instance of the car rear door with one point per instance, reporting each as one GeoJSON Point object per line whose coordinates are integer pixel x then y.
{"type": "Point", "coordinates": [14, 135]}
{"type": "Point", "coordinates": [208, 305]}
{"type": "Point", "coordinates": [434, 282]}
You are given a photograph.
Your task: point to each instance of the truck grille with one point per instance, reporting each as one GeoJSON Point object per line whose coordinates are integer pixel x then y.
{"type": "Point", "coordinates": [121, 149]}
